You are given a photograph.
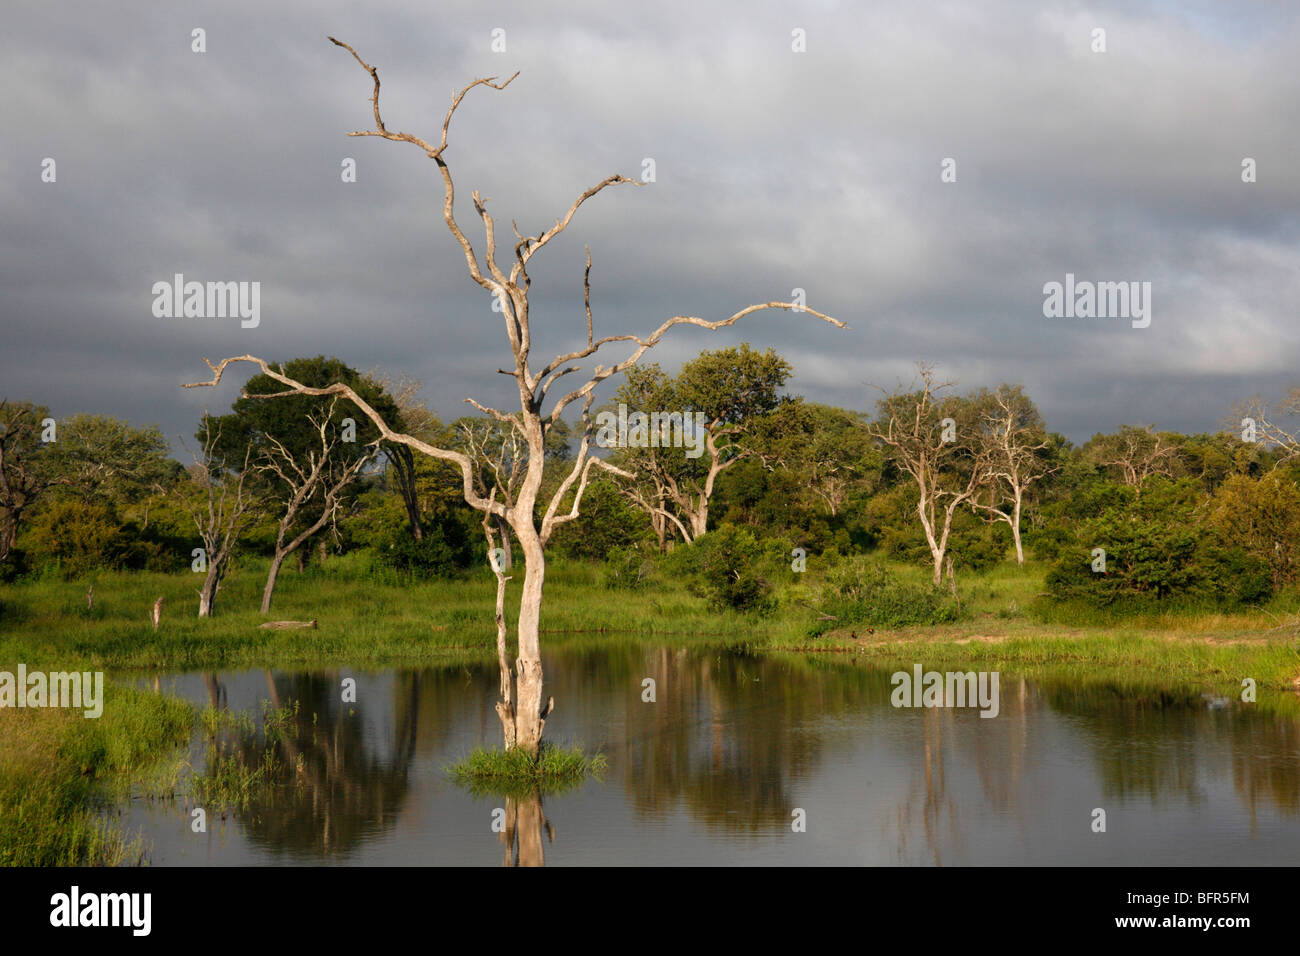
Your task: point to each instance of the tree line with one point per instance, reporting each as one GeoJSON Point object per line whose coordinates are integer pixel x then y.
{"type": "Point", "coordinates": [955, 481]}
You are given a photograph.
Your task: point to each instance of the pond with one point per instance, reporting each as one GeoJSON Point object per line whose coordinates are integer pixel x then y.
{"type": "Point", "coordinates": [740, 759]}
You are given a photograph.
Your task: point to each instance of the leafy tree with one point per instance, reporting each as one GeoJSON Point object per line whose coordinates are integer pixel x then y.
{"type": "Point", "coordinates": [22, 476]}
{"type": "Point", "coordinates": [102, 459]}
{"type": "Point", "coordinates": [735, 389]}
{"type": "Point", "coordinates": [76, 536]}
{"type": "Point", "coordinates": [1262, 517]}
{"type": "Point", "coordinates": [726, 569]}
{"type": "Point", "coordinates": [1156, 549]}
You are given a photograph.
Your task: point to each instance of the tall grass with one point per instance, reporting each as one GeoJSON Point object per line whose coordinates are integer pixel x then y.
{"type": "Point", "coordinates": [59, 773]}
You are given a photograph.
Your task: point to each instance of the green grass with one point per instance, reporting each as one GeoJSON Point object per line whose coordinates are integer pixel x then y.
{"type": "Point", "coordinates": [516, 772]}
{"type": "Point", "coordinates": [362, 618]}
{"type": "Point", "coordinates": [59, 772]}
{"type": "Point", "coordinates": [370, 619]}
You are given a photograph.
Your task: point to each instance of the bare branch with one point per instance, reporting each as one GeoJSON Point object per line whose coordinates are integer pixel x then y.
{"type": "Point", "coordinates": [387, 433]}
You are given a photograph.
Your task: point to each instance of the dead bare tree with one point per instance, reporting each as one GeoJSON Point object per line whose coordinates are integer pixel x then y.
{"type": "Point", "coordinates": [322, 476]}
{"type": "Point", "coordinates": [498, 455]}
{"type": "Point", "coordinates": [531, 521]}
{"type": "Point", "coordinates": [1137, 453]}
{"type": "Point", "coordinates": [221, 511]}
{"type": "Point", "coordinates": [1013, 437]}
{"type": "Point", "coordinates": [919, 430]}
{"type": "Point", "coordinates": [1269, 428]}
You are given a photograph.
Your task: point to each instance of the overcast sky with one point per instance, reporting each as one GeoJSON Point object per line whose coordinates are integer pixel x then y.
{"type": "Point", "coordinates": [775, 169]}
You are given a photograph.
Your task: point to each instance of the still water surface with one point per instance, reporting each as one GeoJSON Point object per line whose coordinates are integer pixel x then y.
{"type": "Point", "coordinates": [713, 771]}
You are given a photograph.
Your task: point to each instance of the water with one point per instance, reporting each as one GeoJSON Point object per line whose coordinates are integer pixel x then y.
{"type": "Point", "coordinates": [715, 770]}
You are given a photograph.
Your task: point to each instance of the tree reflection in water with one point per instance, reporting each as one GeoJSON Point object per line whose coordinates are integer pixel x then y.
{"type": "Point", "coordinates": [330, 787]}
{"type": "Point", "coordinates": [738, 740]}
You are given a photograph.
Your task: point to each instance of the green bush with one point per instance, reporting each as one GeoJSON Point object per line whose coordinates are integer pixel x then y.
{"type": "Point", "coordinates": [1158, 553]}
{"type": "Point", "coordinates": [74, 537]}
{"type": "Point", "coordinates": [434, 555]}
{"type": "Point", "coordinates": [725, 567]}
{"type": "Point", "coordinates": [861, 592]}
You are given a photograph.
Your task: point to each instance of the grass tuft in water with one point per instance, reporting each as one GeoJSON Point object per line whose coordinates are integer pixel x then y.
{"type": "Point", "coordinates": [554, 768]}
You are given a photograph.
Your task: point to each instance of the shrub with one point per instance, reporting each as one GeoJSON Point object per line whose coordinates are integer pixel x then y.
{"type": "Point", "coordinates": [433, 555]}
{"type": "Point", "coordinates": [725, 567]}
{"type": "Point", "coordinates": [863, 592]}
{"type": "Point", "coordinates": [1158, 554]}
{"type": "Point", "coordinates": [75, 537]}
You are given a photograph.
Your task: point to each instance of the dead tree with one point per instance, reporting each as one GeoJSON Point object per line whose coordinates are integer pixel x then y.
{"type": "Point", "coordinates": [1274, 429]}
{"type": "Point", "coordinates": [920, 432]}
{"type": "Point", "coordinates": [1137, 453]}
{"type": "Point", "coordinates": [221, 511]}
{"type": "Point", "coordinates": [532, 521]}
{"type": "Point", "coordinates": [321, 476]}
{"type": "Point", "coordinates": [498, 456]}
{"type": "Point", "coordinates": [1013, 439]}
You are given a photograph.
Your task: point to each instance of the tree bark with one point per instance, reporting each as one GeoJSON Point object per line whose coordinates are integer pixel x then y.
{"type": "Point", "coordinates": [529, 719]}
{"type": "Point", "coordinates": [269, 589]}
{"type": "Point", "coordinates": [1015, 527]}
{"type": "Point", "coordinates": [208, 593]}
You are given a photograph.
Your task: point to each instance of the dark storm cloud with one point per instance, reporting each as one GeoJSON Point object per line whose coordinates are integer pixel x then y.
{"type": "Point", "coordinates": [775, 170]}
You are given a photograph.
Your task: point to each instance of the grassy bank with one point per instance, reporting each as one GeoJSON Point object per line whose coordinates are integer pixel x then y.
{"type": "Point", "coordinates": [1007, 625]}
{"type": "Point", "coordinates": [363, 618]}
{"type": "Point", "coordinates": [372, 619]}
{"type": "Point", "coordinates": [59, 772]}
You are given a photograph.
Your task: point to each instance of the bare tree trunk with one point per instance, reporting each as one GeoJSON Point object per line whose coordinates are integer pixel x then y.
{"type": "Point", "coordinates": [700, 519]}
{"type": "Point", "coordinates": [936, 547]}
{"type": "Point", "coordinates": [1015, 528]}
{"type": "Point", "coordinates": [208, 593]}
{"type": "Point", "coordinates": [505, 706]}
{"type": "Point", "coordinates": [507, 545]}
{"type": "Point", "coordinates": [269, 589]}
{"type": "Point", "coordinates": [529, 716]}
